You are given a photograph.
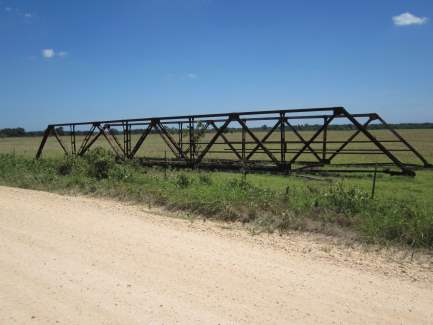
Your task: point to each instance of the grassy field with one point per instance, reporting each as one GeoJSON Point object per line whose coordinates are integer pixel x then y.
{"type": "Point", "coordinates": [154, 146]}
{"type": "Point", "coordinates": [401, 212]}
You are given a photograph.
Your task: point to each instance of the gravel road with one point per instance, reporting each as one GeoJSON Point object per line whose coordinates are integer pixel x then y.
{"type": "Point", "coordinates": [77, 260]}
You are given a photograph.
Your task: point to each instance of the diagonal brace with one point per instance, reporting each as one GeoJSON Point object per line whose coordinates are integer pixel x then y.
{"type": "Point", "coordinates": [179, 152]}
{"type": "Point", "coordinates": [212, 141]}
{"type": "Point", "coordinates": [263, 140]}
{"type": "Point", "coordinates": [259, 143]}
{"type": "Point", "coordinates": [315, 135]}
{"type": "Point", "coordinates": [302, 140]}
{"type": "Point", "coordinates": [141, 139]}
{"type": "Point", "coordinates": [226, 141]}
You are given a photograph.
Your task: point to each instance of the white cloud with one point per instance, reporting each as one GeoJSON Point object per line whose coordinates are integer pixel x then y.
{"type": "Point", "coordinates": [407, 19]}
{"type": "Point", "coordinates": [192, 76]}
{"type": "Point", "coordinates": [16, 12]}
{"type": "Point", "coordinates": [48, 53]}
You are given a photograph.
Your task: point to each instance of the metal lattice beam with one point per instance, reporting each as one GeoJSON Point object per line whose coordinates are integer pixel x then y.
{"type": "Point", "coordinates": [186, 135]}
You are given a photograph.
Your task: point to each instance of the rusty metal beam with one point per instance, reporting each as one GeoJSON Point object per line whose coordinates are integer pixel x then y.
{"type": "Point", "coordinates": [246, 123]}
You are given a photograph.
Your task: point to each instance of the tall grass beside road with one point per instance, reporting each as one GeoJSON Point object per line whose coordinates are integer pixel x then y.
{"type": "Point", "coordinates": [401, 212]}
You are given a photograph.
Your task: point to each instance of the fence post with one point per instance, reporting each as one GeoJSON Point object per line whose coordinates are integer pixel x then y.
{"type": "Point", "coordinates": [373, 189]}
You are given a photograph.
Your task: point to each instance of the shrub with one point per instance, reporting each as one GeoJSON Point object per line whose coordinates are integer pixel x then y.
{"type": "Point", "coordinates": [66, 167]}
{"type": "Point", "coordinates": [205, 179]}
{"type": "Point", "coordinates": [100, 161]}
{"type": "Point", "coordinates": [183, 181]}
{"type": "Point", "coordinates": [119, 172]}
{"type": "Point", "coordinates": [240, 184]}
{"type": "Point", "coordinates": [349, 201]}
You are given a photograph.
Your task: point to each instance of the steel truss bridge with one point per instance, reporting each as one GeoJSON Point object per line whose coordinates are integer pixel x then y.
{"type": "Point", "coordinates": [235, 141]}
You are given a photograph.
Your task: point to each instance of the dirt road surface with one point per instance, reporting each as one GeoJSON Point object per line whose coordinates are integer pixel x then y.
{"type": "Point", "coordinates": [75, 260]}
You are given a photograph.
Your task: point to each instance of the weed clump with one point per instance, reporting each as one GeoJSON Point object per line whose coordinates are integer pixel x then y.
{"type": "Point", "coordinates": [119, 172]}
{"type": "Point", "coordinates": [346, 200]}
{"type": "Point", "coordinates": [65, 167]}
{"type": "Point", "coordinates": [183, 181]}
{"type": "Point", "coordinates": [100, 162]}
{"type": "Point", "coordinates": [205, 179]}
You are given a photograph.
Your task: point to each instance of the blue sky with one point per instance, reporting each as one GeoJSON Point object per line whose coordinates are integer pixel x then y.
{"type": "Point", "coordinates": [64, 61]}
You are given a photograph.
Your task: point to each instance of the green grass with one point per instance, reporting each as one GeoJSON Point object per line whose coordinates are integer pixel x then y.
{"type": "Point", "coordinates": [402, 211]}
{"type": "Point", "coordinates": [154, 146]}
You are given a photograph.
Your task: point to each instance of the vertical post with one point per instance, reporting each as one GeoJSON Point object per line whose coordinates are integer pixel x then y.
{"type": "Point", "coordinates": [243, 155]}
{"type": "Point", "coordinates": [181, 136]}
{"type": "Point", "coordinates": [325, 139]}
{"type": "Point", "coordinates": [243, 146]}
{"type": "Point", "coordinates": [126, 139]}
{"type": "Point", "coordinates": [129, 139]}
{"type": "Point", "coordinates": [194, 144]}
{"type": "Point", "coordinates": [191, 142]}
{"type": "Point", "coordinates": [244, 170]}
{"type": "Point", "coordinates": [73, 142]}
{"type": "Point", "coordinates": [373, 189]}
{"type": "Point", "coordinates": [282, 139]}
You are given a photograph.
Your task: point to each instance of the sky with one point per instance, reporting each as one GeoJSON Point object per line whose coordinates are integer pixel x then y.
{"type": "Point", "coordinates": [64, 61]}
